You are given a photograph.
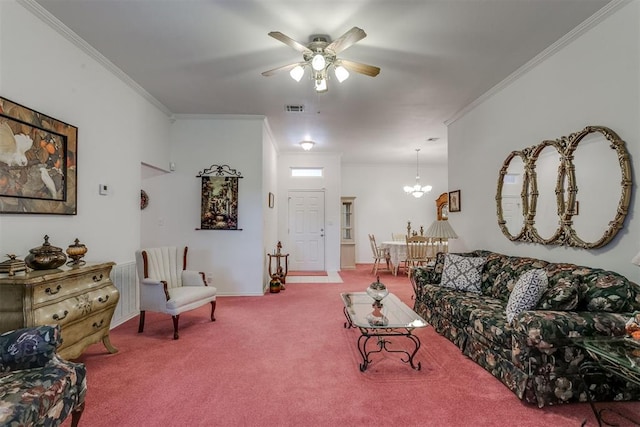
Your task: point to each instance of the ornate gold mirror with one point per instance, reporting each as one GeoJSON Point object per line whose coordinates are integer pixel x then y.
{"type": "Point", "coordinates": [513, 195]}
{"type": "Point", "coordinates": [564, 198]}
{"type": "Point", "coordinates": [601, 200]}
{"type": "Point", "coordinates": [547, 192]}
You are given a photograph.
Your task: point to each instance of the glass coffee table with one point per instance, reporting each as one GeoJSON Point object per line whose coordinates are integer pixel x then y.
{"type": "Point", "coordinates": [392, 318]}
{"type": "Point", "coordinates": [620, 356]}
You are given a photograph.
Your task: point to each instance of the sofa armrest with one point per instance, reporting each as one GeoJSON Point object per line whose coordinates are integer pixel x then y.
{"type": "Point", "coordinates": [28, 348]}
{"type": "Point", "coordinates": [545, 329]}
{"type": "Point", "coordinates": [421, 276]}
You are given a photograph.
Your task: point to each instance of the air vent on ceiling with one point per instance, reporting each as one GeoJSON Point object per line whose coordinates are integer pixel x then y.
{"type": "Point", "coordinates": [294, 108]}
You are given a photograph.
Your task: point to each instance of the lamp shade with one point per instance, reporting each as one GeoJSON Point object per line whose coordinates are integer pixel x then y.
{"type": "Point", "coordinates": [296, 73]}
{"type": "Point", "coordinates": [441, 230]}
{"type": "Point", "coordinates": [342, 73]}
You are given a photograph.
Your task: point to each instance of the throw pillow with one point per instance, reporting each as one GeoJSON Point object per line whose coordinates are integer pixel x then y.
{"type": "Point", "coordinates": [527, 292]}
{"type": "Point", "coordinates": [563, 295]}
{"type": "Point", "coordinates": [462, 273]}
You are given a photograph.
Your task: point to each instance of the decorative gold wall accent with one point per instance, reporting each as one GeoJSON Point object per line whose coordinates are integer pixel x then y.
{"type": "Point", "coordinates": [520, 217]}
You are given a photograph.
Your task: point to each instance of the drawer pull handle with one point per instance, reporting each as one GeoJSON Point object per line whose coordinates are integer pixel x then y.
{"type": "Point", "coordinates": [56, 317]}
{"type": "Point", "coordinates": [98, 325]}
{"type": "Point", "coordinates": [97, 278]}
{"type": "Point", "coordinates": [48, 291]}
{"type": "Point", "coordinates": [103, 299]}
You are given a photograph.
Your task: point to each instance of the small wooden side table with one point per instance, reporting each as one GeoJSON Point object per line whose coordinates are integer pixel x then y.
{"type": "Point", "coordinates": [281, 272]}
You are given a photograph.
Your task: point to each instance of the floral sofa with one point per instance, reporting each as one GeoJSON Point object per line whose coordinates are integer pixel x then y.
{"type": "Point", "coordinates": [36, 386]}
{"type": "Point", "coordinates": [535, 355]}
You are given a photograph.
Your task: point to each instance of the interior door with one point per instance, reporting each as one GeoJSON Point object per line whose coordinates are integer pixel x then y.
{"type": "Point", "coordinates": [306, 230]}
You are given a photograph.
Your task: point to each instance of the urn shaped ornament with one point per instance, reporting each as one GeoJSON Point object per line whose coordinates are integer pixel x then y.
{"type": "Point", "coordinates": [377, 291]}
{"type": "Point", "coordinates": [76, 251]}
{"type": "Point", "coordinates": [45, 257]}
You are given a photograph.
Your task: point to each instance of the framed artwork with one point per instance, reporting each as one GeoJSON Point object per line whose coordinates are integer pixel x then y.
{"type": "Point", "coordinates": [219, 201]}
{"type": "Point", "coordinates": [38, 162]}
{"type": "Point", "coordinates": [454, 201]}
{"type": "Point", "coordinates": [271, 200]}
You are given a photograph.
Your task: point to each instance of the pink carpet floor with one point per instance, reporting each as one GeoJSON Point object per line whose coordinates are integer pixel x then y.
{"type": "Point", "coordinates": [285, 359]}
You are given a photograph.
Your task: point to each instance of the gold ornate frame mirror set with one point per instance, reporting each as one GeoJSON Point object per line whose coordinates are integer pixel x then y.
{"type": "Point", "coordinates": [526, 216]}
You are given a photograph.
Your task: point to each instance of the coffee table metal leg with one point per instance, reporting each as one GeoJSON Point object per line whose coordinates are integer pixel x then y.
{"type": "Point", "coordinates": [382, 345]}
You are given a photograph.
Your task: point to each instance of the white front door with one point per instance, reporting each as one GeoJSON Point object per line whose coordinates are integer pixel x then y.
{"type": "Point", "coordinates": [306, 230]}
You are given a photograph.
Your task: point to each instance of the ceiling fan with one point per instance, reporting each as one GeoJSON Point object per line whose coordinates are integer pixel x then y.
{"type": "Point", "coordinates": [321, 54]}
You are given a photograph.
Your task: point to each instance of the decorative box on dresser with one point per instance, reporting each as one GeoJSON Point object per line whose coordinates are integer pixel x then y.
{"type": "Point", "coordinates": [79, 299]}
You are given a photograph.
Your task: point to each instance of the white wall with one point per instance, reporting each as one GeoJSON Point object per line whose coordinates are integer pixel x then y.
{"type": "Point", "coordinates": [593, 80]}
{"type": "Point", "coordinates": [234, 260]}
{"type": "Point", "coordinates": [269, 185]}
{"type": "Point", "coordinates": [330, 183]}
{"type": "Point", "coordinates": [381, 205]}
{"type": "Point", "coordinates": [41, 69]}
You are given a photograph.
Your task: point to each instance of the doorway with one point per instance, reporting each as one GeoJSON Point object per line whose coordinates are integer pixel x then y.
{"type": "Point", "coordinates": [306, 230]}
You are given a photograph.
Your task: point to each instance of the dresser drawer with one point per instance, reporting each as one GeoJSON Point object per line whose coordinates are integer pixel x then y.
{"type": "Point", "coordinates": [46, 293]}
{"type": "Point", "coordinates": [86, 331]}
{"type": "Point", "coordinates": [76, 307]}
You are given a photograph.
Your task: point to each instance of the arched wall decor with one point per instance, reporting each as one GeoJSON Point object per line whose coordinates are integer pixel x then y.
{"type": "Point", "coordinates": [526, 216]}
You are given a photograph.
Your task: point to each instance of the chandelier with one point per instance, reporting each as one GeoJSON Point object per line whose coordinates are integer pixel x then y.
{"type": "Point", "coordinates": [417, 190]}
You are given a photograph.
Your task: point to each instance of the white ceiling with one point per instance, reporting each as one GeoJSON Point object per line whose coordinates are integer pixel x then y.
{"type": "Point", "coordinates": [436, 56]}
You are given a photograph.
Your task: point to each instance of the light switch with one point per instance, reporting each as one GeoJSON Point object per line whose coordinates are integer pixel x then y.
{"type": "Point", "coordinates": [104, 189]}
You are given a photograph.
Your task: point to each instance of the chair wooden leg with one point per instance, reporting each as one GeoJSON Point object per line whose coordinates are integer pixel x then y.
{"type": "Point", "coordinates": [213, 308]}
{"type": "Point", "coordinates": [76, 414]}
{"type": "Point", "coordinates": [375, 266]}
{"type": "Point", "coordinates": [176, 318]}
{"type": "Point", "coordinates": [141, 324]}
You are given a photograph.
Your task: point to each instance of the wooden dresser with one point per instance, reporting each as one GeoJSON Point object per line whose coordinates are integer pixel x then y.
{"type": "Point", "coordinates": [79, 299]}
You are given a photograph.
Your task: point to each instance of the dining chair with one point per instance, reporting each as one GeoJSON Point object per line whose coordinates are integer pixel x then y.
{"type": "Point", "coordinates": [418, 248]}
{"type": "Point", "coordinates": [379, 254]}
{"type": "Point", "coordinates": [398, 237]}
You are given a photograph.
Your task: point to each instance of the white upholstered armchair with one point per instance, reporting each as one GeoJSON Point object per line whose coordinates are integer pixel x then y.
{"type": "Point", "coordinates": [166, 286]}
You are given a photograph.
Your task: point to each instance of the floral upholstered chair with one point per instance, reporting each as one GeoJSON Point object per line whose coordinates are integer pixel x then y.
{"type": "Point", "coordinates": [36, 386]}
{"type": "Point", "coordinates": [166, 286]}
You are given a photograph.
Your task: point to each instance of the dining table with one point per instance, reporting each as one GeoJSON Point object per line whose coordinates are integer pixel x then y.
{"type": "Point", "coordinates": [397, 253]}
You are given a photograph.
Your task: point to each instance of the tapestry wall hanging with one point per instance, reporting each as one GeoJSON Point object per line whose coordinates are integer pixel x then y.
{"type": "Point", "coordinates": [219, 199]}
{"type": "Point", "coordinates": [38, 157]}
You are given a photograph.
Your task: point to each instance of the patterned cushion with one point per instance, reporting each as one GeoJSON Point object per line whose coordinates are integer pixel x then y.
{"type": "Point", "coordinates": [563, 296]}
{"type": "Point", "coordinates": [462, 273]}
{"type": "Point", "coordinates": [28, 348]}
{"type": "Point", "coordinates": [527, 292]}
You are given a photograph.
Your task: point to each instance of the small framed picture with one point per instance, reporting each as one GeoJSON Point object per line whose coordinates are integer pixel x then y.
{"type": "Point", "coordinates": [271, 200]}
{"type": "Point", "coordinates": [454, 201]}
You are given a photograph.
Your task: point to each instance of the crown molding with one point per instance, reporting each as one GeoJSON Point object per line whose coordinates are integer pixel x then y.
{"type": "Point", "coordinates": [53, 22]}
{"type": "Point", "coordinates": [219, 117]}
{"type": "Point", "coordinates": [572, 35]}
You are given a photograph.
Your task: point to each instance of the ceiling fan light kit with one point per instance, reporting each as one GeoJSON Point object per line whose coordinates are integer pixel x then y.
{"type": "Point", "coordinates": [321, 55]}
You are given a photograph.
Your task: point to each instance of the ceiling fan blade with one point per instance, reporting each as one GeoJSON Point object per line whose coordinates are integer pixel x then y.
{"type": "Point", "coordinates": [357, 67]}
{"type": "Point", "coordinates": [289, 41]}
{"type": "Point", "coordinates": [287, 67]}
{"type": "Point", "coordinates": [347, 39]}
